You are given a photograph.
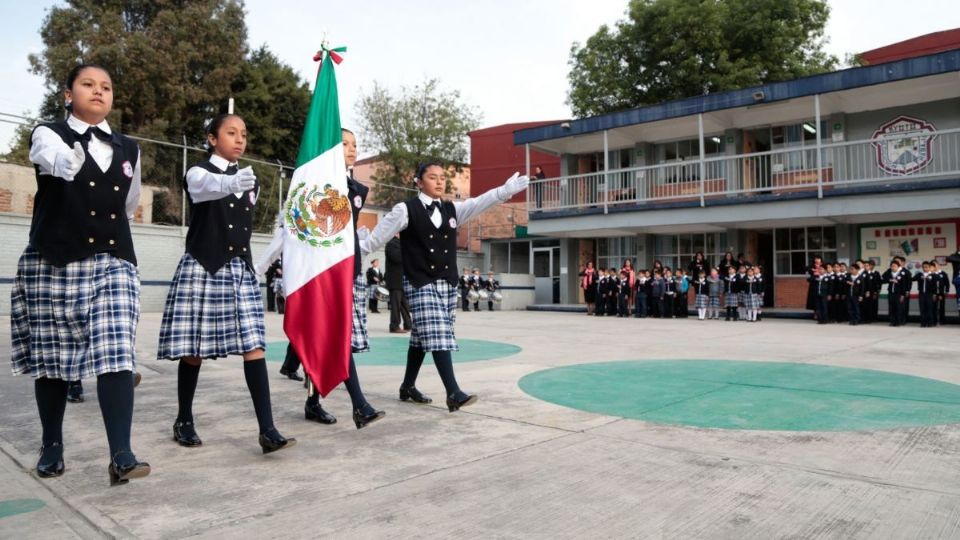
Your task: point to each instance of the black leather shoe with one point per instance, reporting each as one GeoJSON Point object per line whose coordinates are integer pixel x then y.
{"type": "Point", "coordinates": [75, 393]}
{"type": "Point", "coordinates": [291, 374]}
{"type": "Point", "coordinates": [272, 440]}
{"type": "Point", "coordinates": [414, 395]}
{"type": "Point", "coordinates": [455, 403]}
{"type": "Point", "coordinates": [185, 434]}
{"type": "Point", "coordinates": [315, 413]}
{"type": "Point", "coordinates": [366, 415]}
{"type": "Point", "coordinates": [50, 463]}
{"type": "Point", "coordinates": [124, 467]}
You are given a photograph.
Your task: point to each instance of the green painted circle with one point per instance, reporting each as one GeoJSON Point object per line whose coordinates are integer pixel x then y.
{"type": "Point", "coordinates": [14, 507]}
{"type": "Point", "coordinates": [749, 395]}
{"type": "Point", "coordinates": [392, 351]}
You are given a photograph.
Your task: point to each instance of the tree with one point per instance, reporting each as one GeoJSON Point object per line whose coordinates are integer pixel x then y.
{"type": "Point", "coordinates": [671, 49]}
{"type": "Point", "coordinates": [418, 125]}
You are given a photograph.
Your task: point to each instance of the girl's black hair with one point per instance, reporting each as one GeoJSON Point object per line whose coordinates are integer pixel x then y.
{"type": "Point", "coordinates": [213, 128]}
{"type": "Point", "coordinates": [422, 168]}
{"type": "Point", "coordinates": [72, 78]}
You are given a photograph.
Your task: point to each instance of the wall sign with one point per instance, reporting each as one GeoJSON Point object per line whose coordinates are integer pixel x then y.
{"type": "Point", "coordinates": [904, 145]}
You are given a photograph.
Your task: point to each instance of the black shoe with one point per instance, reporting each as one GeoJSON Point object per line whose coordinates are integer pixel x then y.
{"type": "Point", "coordinates": [75, 393]}
{"type": "Point", "coordinates": [272, 440]}
{"type": "Point", "coordinates": [456, 402]}
{"type": "Point", "coordinates": [315, 413]}
{"type": "Point", "coordinates": [414, 395]}
{"type": "Point", "coordinates": [291, 374]}
{"type": "Point", "coordinates": [124, 466]}
{"type": "Point", "coordinates": [50, 463]}
{"type": "Point", "coordinates": [185, 434]}
{"type": "Point", "coordinates": [366, 415]}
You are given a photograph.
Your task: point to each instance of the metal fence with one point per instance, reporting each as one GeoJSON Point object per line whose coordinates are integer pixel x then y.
{"type": "Point", "coordinates": [895, 158]}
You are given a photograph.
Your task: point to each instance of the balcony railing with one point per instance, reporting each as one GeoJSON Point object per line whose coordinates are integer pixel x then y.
{"type": "Point", "coordinates": [890, 159]}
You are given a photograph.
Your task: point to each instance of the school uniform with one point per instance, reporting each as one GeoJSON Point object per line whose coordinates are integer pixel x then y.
{"type": "Point", "coordinates": [942, 298]}
{"type": "Point", "coordinates": [464, 285]}
{"type": "Point", "coordinates": [700, 294]}
{"type": "Point", "coordinates": [476, 283]}
{"type": "Point", "coordinates": [730, 296]}
{"type": "Point", "coordinates": [714, 290]}
{"type": "Point", "coordinates": [75, 301]}
{"type": "Point", "coordinates": [623, 297]}
{"type": "Point", "coordinates": [669, 297]}
{"type": "Point", "coordinates": [928, 287]}
{"type": "Point", "coordinates": [681, 300]}
{"type": "Point", "coordinates": [428, 239]}
{"type": "Point", "coordinates": [823, 289]}
{"type": "Point", "coordinates": [906, 283]}
{"type": "Point", "coordinates": [640, 297]}
{"type": "Point", "coordinates": [761, 291]}
{"type": "Point", "coordinates": [856, 285]}
{"type": "Point", "coordinates": [612, 287]}
{"type": "Point", "coordinates": [741, 296]}
{"type": "Point", "coordinates": [870, 304]}
{"type": "Point", "coordinates": [374, 279]}
{"type": "Point", "coordinates": [491, 286]}
{"type": "Point", "coordinates": [836, 296]}
{"type": "Point", "coordinates": [895, 292]}
{"type": "Point", "coordinates": [657, 287]}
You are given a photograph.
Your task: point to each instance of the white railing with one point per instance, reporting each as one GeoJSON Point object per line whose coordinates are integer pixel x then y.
{"type": "Point", "coordinates": [906, 157]}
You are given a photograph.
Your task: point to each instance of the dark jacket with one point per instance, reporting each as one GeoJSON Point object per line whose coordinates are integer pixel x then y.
{"type": "Point", "coordinates": [394, 270]}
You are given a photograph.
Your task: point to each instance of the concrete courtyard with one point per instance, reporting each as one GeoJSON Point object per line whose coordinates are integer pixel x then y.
{"type": "Point", "coordinates": [512, 466]}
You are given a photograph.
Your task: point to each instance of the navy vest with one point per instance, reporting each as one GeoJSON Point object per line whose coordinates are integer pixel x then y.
{"type": "Point", "coordinates": [358, 196]}
{"type": "Point", "coordinates": [220, 229]}
{"type": "Point", "coordinates": [429, 253]}
{"type": "Point", "coordinates": [78, 219]}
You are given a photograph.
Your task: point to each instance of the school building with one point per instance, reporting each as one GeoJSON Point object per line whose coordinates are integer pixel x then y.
{"type": "Point", "coordinates": [857, 163]}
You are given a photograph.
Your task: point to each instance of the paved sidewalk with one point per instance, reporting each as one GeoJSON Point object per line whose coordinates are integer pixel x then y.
{"type": "Point", "coordinates": [509, 467]}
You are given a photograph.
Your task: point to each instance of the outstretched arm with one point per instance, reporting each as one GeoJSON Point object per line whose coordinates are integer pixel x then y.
{"type": "Point", "coordinates": [386, 228]}
{"type": "Point", "coordinates": [472, 207]}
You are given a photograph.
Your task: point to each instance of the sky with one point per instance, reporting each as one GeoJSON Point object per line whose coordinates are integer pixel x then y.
{"type": "Point", "coordinates": [507, 58]}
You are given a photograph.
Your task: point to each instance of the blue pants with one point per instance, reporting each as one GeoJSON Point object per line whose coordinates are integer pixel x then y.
{"type": "Point", "coordinates": [640, 305]}
{"type": "Point", "coordinates": [853, 309]}
{"type": "Point", "coordinates": [822, 315]}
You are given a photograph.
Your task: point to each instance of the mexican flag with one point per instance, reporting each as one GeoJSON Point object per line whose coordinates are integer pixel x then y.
{"type": "Point", "coordinates": [318, 245]}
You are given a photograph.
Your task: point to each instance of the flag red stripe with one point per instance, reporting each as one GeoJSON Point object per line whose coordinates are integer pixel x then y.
{"type": "Point", "coordinates": [318, 323]}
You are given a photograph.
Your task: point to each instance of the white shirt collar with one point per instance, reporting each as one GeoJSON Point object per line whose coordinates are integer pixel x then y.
{"type": "Point", "coordinates": [80, 127]}
{"type": "Point", "coordinates": [426, 199]}
{"type": "Point", "coordinates": [219, 162]}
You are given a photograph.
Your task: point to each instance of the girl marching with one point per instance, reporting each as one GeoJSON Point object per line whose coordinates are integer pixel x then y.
{"type": "Point", "coordinates": [76, 297]}
{"type": "Point", "coordinates": [428, 237]}
{"type": "Point", "coordinates": [214, 308]}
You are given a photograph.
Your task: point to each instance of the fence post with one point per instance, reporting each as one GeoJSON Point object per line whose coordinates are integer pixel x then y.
{"type": "Point", "coordinates": [816, 111]}
{"type": "Point", "coordinates": [606, 169]}
{"type": "Point", "coordinates": [703, 166]}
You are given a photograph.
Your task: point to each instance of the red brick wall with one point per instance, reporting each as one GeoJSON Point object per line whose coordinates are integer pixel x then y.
{"type": "Point", "coordinates": [6, 200]}
{"type": "Point", "coordinates": [790, 292]}
{"type": "Point", "coordinates": [30, 204]}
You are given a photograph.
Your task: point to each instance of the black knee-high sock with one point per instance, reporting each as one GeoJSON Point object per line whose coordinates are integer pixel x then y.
{"type": "Point", "coordinates": [187, 375]}
{"type": "Point", "coordinates": [414, 361]}
{"type": "Point", "coordinates": [255, 372]}
{"type": "Point", "coordinates": [444, 363]}
{"type": "Point", "coordinates": [115, 393]}
{"type": "Point", "coordinates": [51, 397]}
{"type": "Point", "coordinates": [353, 387]}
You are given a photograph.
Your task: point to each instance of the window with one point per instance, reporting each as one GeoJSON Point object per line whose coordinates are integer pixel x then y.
{"type": "Point", "coordinates": [676, 251]}
{"type": "Point", "coordinates": [510, 257]}
{"type": "Point", "coordinates": [803, 138]}
{"type": "Point", "coordinates": [611, 252]}
{"type": "Point", "coordinates": [685, 156]}
{"type": "Point", "coordinates": [794, 249]}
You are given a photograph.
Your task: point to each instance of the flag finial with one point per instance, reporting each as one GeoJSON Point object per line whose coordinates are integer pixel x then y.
{"type": "Point", "coordinates": [334, 52]}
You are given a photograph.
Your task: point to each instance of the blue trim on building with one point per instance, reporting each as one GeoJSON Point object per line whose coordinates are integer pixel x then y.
{"type": "Point", "coordinates": [828, 192]}
{"type": "Point", "coordinates": [835, 81]}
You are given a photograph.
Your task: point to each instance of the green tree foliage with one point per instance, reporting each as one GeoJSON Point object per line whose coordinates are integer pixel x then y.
{"type": "Point", "coordinates": [671, 49]}
{"type": "Point", "coordinates": [175, 64]}
{"type": "Point", "coordinates": [419, 124]}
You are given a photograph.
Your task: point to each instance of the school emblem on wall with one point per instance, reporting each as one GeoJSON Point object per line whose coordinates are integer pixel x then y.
{"type": "Point", "coordinates": [904, 145]}
{"type": "Point", "coordinates": [317, 216]}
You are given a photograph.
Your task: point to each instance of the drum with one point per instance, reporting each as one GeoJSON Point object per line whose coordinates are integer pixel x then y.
{"type": "Point", "coordinates": [473, 296]}
{"type": "Point", "coordinates": [484, 296]}
{"type": "Point", "coordinates": [278, 287]}
{"type": "Point", "coordinates": [382, 294]}
{"type": "Point", "coordinates": [497, 297]}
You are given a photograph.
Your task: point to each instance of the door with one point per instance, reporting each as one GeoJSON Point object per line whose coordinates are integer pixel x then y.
{"type": "Point", "coordinates": [765, 259]}
{"type": "Point", "coordinates": [546, 275]}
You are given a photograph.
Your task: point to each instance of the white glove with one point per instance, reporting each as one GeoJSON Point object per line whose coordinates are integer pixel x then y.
{"type": "Point", "coordinates": [515, 184]}
{"type": "Point", "coordinates": [363, 233]}
{"type": "Point", "coordinates": [69, 162]}
{"type": "Point", "coordinates": [244, 180]}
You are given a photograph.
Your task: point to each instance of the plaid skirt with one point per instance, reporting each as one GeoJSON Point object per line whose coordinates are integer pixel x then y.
{"type": "Point", "coordinates": [212, 316]}
{"type": "Point", "coordinates": [358, 334]}
{"type": "Point", "coordinates": [76, 321]}
{"type": "Point", "coordinates": [433, 310]}
{"type": "Point", "coordinates": [701, 301]}
{"type": "Point", "coordinates": [730, 300]}
{"type": "Point", "coordinates": [714, 302]}
{"type": "Point", "coordinates": [753, 301]}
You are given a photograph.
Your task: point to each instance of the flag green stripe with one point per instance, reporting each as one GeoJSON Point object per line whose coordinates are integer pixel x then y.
{"type": "Point", "coordinates": [322, 129]}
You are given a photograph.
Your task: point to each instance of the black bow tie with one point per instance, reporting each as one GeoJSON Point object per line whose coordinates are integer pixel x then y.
{"type": "Point", "coordinates": [435, 205]}
{"type": "Point", "coordinates": [232, 169]}
{"type": "Point", "coordinates": [94, 131]}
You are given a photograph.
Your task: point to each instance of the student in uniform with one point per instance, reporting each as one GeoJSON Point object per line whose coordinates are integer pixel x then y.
{"type": "Point", "coordinates": [428, 236]}
{"type": "Point", "coordinates": [741, 292]}
{"type": "Point", "coordinates": [464, 286]}
{"type": "Point", "coordinates": [871, 297]}
{"type": "Point", "coordinates": [715, 289]}
{"type": "Point", "coordinates": [906, 282]}
{"type": "Point", "coordinates": [941, 310]}
{"type": "Point", "coordinates": [928, 287]}
{"type": "Point", "coordinates": [476, 281]}
{"type": "Point", "coordinates": [363, 412]}
{"type": "Point", "coordinates": [701, 291]}
{"type": "Point", "coordinates": [855, 290]}
{"type": "Point", "coordinates": [374, 280]}
{"type": "Point", "coordinates": [623, 294]}
{"type": "Point", "coordinates": [491, 285]}
{"type": "Point", "coordinates": [823, 289]}
{"type": "Point", "coordinates": [761, 288]}
{"type": "Point", "coordinates": [601, 288]}
{"type": "Point", "coordinates": [613, 288]}
{"type": "Point", "coordinates": [640, 294]}
{"type": "Point", "coordinates": [683, 294]}
{"type": "Point", "coordinates": [895, 300]}
{"type": "Point", "coordinates": [214, 308]}
{"type": "Point", "coordinates": [656, 294]}
{"type": "Point", "coordinates": [843, 275]}
{"type": "Point", "coordinates": [669, 295]}
{"type": "Point", "coordinates": [75, 301]}
{"type": "Point", "coordinates": [730, 290]}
